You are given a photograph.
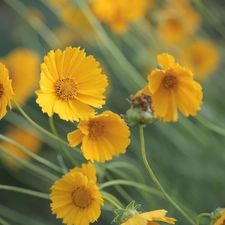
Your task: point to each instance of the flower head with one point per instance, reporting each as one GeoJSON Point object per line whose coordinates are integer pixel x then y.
{"type": "Point", "coordinates": [173, 88]}
{"type": "Point", "coordinates": [102, 136]}
{"type": "Point", "coordinates": [23, 68]}
{"type": "Point", "coordinates": [118, 13]}
{"type": "Point", "coordinates": [201, 56]}
{"type": "Point", "coordinates": [76, 199]}
{"type": "Point", "coordinates": [130, 216]}
{"type": "Point", "coordinates": [6, 91]}
{"type": "Point", "coordinates": [70, 83]}
{"type": "Point", "coordinates": [25, 137]}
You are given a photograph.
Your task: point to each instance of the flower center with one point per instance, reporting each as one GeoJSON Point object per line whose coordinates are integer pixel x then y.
{"type": "Point", "coordinates": [66, 88]}
{"type": "Point", "coordinates": [81, 197]}
{"type": "Point", "coordinates": [169, 82]}
{"type": "Point", "coordinates": [96, 129]}
{"type": "Point", "coordinates": [1, 90]}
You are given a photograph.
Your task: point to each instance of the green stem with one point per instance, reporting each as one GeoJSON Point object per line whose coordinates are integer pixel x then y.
{"type": "Point", "coordinates": [155, 179]}
{"type": "Point", "coordinates": [110, 198]}
{"type": "Point", "coordinates": [210, 125]}
{"type": "Point", "coordinates": [200, 216]}
{"type": "Point", "coordinates": [36, 125]}
{"type": "Point", "coordinates": [65, 152]}
{"type": "Point", "coordinates": [32, 155]}
{"type": "Point", "coordinates": [3, 222]}
{"type": "Point", "coordinates": [29, 165]}
{"type": "Point", "coordinates": [24, 191]}
{"type": "Point", "coordinates": [50, 38]}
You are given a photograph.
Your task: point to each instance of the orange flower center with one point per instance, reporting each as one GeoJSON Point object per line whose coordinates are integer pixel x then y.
{"type": "Point", "coordinates": [169, 82]}
{"type": "Point", "coordinates": [1, 90]}
{"type": "Point", "coordinates": [81, 197]}
{"type": "Point", "coordinates": [66, 88]}
{"type": "Point", "coordinates": [96, 129]}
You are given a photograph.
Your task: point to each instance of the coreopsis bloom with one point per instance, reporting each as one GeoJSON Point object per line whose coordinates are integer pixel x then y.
{"type": "Point", "coordinates": [173, 88]}
{"type": "Point", "coordinates": [76, 198]}
{"type": "Point", "coordinates": [70, 83]}
{"type": "Point", "coordinates": [27, 138]}
{"type": "Point", "coordinates": [102, 136]}
{"type": "Point", "coordinates": [23, 66]}
{"type": "Point", "coordinates": [201, 56]}
{"type": "Point", "coordinates": [130, 216]}
{"type": "Point", "coordinates": [6, 91]}
{"type": "Point", "coordinates": [118, 13]}
{"type": "Point", "coordinates": [218, 217]}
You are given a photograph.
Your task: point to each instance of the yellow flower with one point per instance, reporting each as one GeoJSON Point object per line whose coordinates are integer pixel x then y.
{"type": "Point", "coordinates": [173, 88]}
{"type": "Point", "coordinates": [201, 56]}
{"type": "Point", "coordinates": [26, 137]}
{"type": "Point", "coordinates": [23, 68]}
{"type": "Point", "coordinates": [118, 13]}
{"type": "Point", "coordinates": [218, 217]}
{"type": "Point", "coordinates": [76, 199]}
{"type": "Point", "coordinates": [6, 91]}
{"type": "Point", "coordinates": [148, 217]}
{"type": "Point", "coordinates": [102, 136]}
{"type": "Point", "coordinates": [70, 83]}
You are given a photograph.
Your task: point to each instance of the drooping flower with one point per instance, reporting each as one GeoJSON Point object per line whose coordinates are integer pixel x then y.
{"type": "Point", "coordinates": [201, 56]}
{"type": "Point", "coordinates": [118, 13]}
{"type": "Point", "coordinates": [6, 91]}
{"type": "Point", "coordinates": [102, 136]}
{"type": "Point", "coordinates": [76, 199]}
{"type": "Point", "coordinates": [27, 138]}
{"type": "Point", "coordinates": [23, 66]}
{"type": "Point", "coordinates": [70, 83]}
{"type": "Point", "coordinates": [218, 217]}
{"type": "Point", "coordinates": [173, 88]}
{"type": "Point", "coordinates": [130, 216]}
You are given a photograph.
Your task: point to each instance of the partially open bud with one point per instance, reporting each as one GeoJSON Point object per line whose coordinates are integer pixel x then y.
{"type": "Point", "coordinates": [218, 217]}
{"type": "Point", "coordinates": [141, 111]}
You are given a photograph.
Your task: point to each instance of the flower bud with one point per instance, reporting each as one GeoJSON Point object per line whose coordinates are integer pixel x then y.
{"type": "Point", "coordinates": [218, 217]}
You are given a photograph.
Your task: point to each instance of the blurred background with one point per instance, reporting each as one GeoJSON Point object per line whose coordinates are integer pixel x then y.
{"type": "Point", "coordinates": [188, 157]}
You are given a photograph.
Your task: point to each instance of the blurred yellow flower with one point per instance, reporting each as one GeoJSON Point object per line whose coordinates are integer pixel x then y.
{"type": "Point", "coordinates": [23, 68]}
{"type": "Point", "coordinates": [102, 136]}
{"type": "Point", "coordinates": [173, 88]}
{"type": "Point", "coordinates": [26, 137]}
{"type": "Point", "coordinates": [88, 169]}
{"type": "Point", "coordinates": [174, 25]}
{"type": "Point", "coordinates": [118, 13]}
{"type": "Point", "coordinates": [148, 218]}
{"type": "Point", "coordinates": [70, 83]}
{"type": "Point", "coordinates": [76, 199]}
{"type": "Point", "coordinates": [6, 91]}
{"type": "Point", "coordinates": [201, 56]}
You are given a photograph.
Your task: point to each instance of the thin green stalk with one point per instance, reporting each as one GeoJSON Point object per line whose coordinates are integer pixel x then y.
{"type": "Point", "coordinates": [64, 150]}
{"type": "Point", "coordinates": [24, 191]}
{"type": "Point", "coordinates": [37, 126]}
{"type": "Point", "coordinates": [210, 125]}
{"type": "Point", "coordinates": [48, 36]}
{"type": "Point", "coordinates": [200, 216]}
{"type": "Point", "coordinates": [110, 198]}
{"type": "Point", "coordinates": [155, 179]}
{"type": "Point", "coordinates": [32, 155]}
{"type": "Point", "coordinates": [29, 165]}
{"type": "Point", "coordinates": [3, 222]}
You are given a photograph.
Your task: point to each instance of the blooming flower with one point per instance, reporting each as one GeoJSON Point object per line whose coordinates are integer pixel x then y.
{"type": "Point", "coordinates": [147, 218]}
{"type": "Point", "coordinates": [201, 56]}
{"type": "Point", "coordinates": [6, 91]}
{"type": "Point", "coordinates": [23, 66]}
{"type": "Point", "coordinates": [118, 13]}
{"type": "Point", "coordinates": [70, 83]}
{"type": "Point", "coordinates": [102, 136]}
{"type": "Point", "coordinates": [76, 199]}
{"type": "Point", "coordinates": [173, 88]}
{"type": "Point", "coordinates": [27, 138]}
